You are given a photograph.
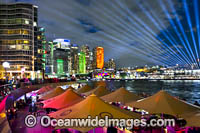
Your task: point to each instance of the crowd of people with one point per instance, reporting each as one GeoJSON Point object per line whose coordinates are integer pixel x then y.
{"type": "Point", "coordinates": [12, 112]}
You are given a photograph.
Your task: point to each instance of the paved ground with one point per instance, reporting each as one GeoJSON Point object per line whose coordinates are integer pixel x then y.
{"type": "Point", "coordinates": [18, 126]}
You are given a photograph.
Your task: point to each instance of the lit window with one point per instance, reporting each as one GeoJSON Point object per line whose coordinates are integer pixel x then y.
{"type": "Point", "coordinates": [18, 47]}
{"type": "Point", "coordinates": [39, 51]}
{"type": "Point", "coordinates": [26, 41]}
{"type": "Point", "coordinates": [12, 47]}
{"type": "Point", "coordinates": [34, 24]}
{"type": "Point", "coordinates": [25, 32]}
{"type": "Point", "coordinates": [38, 37]}
{"type": "Point", "coordinates": [26, 22]}
{"type": "Point", "coordinates": [26, 47]}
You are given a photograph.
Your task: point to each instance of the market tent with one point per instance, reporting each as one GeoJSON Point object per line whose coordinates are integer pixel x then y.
{"type": "Point", "coordinates": [162, 102]}
{"type": "Point", "coordinates": [192, 119]}
{"type": "Point", "coordinates": [66, 99]}
{"type": "Point", "coordinates": [44, 89]}
{"type": "Point", "coordinates": [84, 89]}
{"type": "Point", "coordinates": [92, 106]}
{"type": "Point", "coordinates": [121, 95]}
{"type": "Point", "coordinates": [99, 91]}
{"type": "Point", "coordinates": [57, 91]}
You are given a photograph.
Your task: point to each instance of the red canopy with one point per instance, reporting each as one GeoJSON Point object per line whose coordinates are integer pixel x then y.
{"type": "Point", "coordinates": [57, 91]}
{"type": "Point", "coordinates": [44, 89]}
{"type": "Point", "coordinates": [66, 99]}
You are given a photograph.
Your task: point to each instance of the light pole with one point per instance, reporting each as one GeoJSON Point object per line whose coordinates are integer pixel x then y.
{"type": "Point", "coordinates": [6, 65]}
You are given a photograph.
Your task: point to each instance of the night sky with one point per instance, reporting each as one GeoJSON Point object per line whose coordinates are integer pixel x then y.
{"type": "Point", "coordinates": [133, 32]}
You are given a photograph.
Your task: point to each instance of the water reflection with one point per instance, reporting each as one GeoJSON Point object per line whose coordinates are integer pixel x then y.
{"type": "Point", "coordinates": [184, 89]}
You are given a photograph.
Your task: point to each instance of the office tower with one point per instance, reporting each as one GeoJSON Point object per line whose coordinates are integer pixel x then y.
{"type": "Point", "coordinates": [86, 50]}
{"type": "Point", "coordinates": [18, 28]}
{"type": "Point", "coordinates": [40, 51]}
{"type": "Point", "coordinates": [61, 57]}
{"type": "Point", "coordinates": [111, 64]}
{"type": "Point", "coordinates": [98, 58]}
{"type": "Point", "coordinates": [49, 58]}
{"type": "Point", "coordinates": [74, 59]}
{"type": "Point", "coordinates": [82, 63]}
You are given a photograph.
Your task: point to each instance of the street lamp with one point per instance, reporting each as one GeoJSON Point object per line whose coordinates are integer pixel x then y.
{"type": "Point", "coordinates": [6, 65]}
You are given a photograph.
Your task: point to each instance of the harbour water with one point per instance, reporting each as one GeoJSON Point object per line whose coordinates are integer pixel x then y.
{"type": "Point", "coordinates": [188, 90]}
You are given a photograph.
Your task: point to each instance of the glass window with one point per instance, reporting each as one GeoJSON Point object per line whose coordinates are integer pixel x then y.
{"type": "Point", "coordinates": [34, 24]}
{"type": "Point", "coordinates": [12, 47]}
{"type": "Point", "coordinates": [26, 21]}
{"type": "Point", "coordinates": [18, 47]}
{"type": "Point", "coordinates": [26, 47]}
{"type": "Point", "coordinates": [26, 41]}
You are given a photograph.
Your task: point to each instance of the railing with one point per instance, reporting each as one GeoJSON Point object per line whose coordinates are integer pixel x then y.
{"type": "Point", "coordinates": [6, 89]}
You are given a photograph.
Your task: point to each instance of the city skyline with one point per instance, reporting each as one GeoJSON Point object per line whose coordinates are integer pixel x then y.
{"type": "Point", "coordinates": [132, 32]}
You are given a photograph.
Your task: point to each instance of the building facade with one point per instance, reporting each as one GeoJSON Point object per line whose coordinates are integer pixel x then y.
{"type": "Point", "coordinates": [61, 56]}
{"type": "Point", "coordinates": [82, 63]}
{"type": "Point", "coordinates": [85, 49]}
{"type": "Point", "coordinates": [98, 58]}
{"type": "Point", "coordinates": [18, 38]}
{"type": "Point", "coordinates": [74, 59]}
{"type": "Point", "coordinates": [111, 64]}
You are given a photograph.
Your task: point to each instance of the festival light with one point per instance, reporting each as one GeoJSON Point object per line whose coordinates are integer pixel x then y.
{"type": "Point", "coordinates": [190, 26]}
{"type": "Point", "coordinates": [196, 11]}
{"type": "Point", "coordinates": [172, 52]}
{"type": "Point", "coordinates": [143, 54]}
{"type": "Point", "coordinates": [124, 32]}
{"type": "Point", "coordinates": [181, 28]}
{"type": "Point", "coordinates": [159, 24]}
{"type": "Point", "coordinates": [151, 57]}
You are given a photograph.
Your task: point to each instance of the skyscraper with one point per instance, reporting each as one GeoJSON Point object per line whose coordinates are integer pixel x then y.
{"type": "Point", "coordinates": [86, 50]}
{"type": "Point", "coordinates": [40, 51]}
{"type": "Point", "coordinates": [18, 38]}
{"type": "Point", "coordinates": [111, 64]}
{"type": "Point", "coordinates": [61, 56]}
{"type": "Point", "coordinates": [98, 58]}
{"type": "Point", "coordinates": [74, 59]}
{"type": "Point", "coordinates": [82, 63]}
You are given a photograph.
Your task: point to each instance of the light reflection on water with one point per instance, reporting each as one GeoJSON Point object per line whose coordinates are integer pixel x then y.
{"type": "Point", "coordinates": [184, 89]}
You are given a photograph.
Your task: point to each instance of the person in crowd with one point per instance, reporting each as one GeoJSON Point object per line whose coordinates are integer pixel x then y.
{"type": "Point", "coordinates": [30, 108]}
{"type": "Point", "coordinates": [34, 109]}
{"type": "Point", "coordinates": [18, 83]}
{"type": "Point", "coordinates": [9, 114]}
{"type": "Point", "coordinates": [79, 85]}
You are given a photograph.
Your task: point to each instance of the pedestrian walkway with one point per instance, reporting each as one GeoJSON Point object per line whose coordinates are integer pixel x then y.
{"type": "Point", "coordinates": [18, 125]}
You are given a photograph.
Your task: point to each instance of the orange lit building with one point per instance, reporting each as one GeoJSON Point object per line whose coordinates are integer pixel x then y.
{"type": "Point", "coordinates": [98, 57]}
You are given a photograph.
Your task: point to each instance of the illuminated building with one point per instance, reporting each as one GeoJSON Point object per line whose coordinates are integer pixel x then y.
{"type": "Point", "coordinates": [74, 59]}
{"type": "Point", "coordinates": [111, 64]}
{"type": "Point", "coordinates": [61, 56]}
{"type": "Point", "coordinates": [40, 52]}
{"type": "Point", "coordinates": [98, 58]}
{"type": "Point", "coordinates": [18, 38]}
{"type": "Point", "coordinates": [49, 58]}
{"type": "Point", "coordinates": [86, 50]}
{"type": "Point", "coordinates": [82, 63]}
{"type": "Point", "coordinates": [62, 43]}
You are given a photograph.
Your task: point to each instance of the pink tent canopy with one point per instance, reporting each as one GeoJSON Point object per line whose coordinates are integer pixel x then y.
{"type": "Point", "coordinates": [66, 99]}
